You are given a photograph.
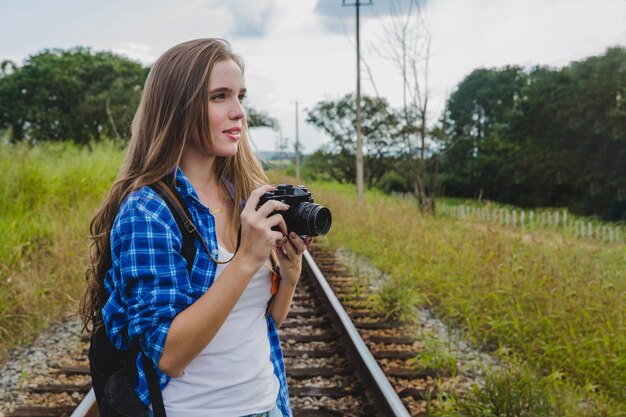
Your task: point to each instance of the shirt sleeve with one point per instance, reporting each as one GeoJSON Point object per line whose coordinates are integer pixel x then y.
{"type": "Point", "coordinates": [153, 278]}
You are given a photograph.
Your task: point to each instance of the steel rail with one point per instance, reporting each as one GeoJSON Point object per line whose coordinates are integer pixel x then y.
{"type": "Point", "coordinates": [87, 407]}
{"type": "Point", "coordinates": [385, 396]}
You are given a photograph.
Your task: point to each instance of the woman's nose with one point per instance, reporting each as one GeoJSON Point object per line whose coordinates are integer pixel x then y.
{"type": "Point", "coordinates": [237, 112]}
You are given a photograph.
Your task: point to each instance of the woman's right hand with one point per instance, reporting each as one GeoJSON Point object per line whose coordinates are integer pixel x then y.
{"type": "Point", "coordinates": [257, 236]}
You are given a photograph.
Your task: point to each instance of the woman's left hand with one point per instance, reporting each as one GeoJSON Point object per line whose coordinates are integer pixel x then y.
{"type": "Point", "coordinates": [289, 253]}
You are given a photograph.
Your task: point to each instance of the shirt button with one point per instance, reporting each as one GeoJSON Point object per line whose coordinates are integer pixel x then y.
{"type": "Point", "coordinates": [214, 251]}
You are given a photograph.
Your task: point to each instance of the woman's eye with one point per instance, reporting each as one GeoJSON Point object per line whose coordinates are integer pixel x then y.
{"type": "Point", "coordinates": [242, 98]}
{"type": "Point", "coordinates": [220, 96]}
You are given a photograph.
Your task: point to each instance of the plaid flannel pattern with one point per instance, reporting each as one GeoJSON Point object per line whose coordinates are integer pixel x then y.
{"type": "Point", "coordinates": [148, 283]}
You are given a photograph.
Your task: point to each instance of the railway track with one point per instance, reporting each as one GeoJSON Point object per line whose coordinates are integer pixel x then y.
{"type": "Point", "coordinates": [340, 362]}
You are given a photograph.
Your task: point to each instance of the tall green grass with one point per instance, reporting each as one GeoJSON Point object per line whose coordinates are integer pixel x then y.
{"type": "Point", "coordinates": [47, 195]}
{"type": "Point", "coordinates": [556, 304]}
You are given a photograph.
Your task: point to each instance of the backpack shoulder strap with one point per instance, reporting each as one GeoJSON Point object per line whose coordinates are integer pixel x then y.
{"type": "Point", "coordinates": [181, 214]}
{"type": "Point", "coordinates": [177, 206]}
{"type": "Point", "coordinates": [154, 387]}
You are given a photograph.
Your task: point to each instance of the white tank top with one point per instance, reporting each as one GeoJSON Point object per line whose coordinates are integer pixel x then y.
{"type": "Point", "coordinates": [233, 375]}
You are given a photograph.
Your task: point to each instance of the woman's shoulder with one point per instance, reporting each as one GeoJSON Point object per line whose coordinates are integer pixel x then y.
{"type": "Point", "coordinates": [144, 203]}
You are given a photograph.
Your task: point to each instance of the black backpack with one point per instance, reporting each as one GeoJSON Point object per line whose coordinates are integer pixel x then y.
{"type": "Point", "coordinates": [113, 370]}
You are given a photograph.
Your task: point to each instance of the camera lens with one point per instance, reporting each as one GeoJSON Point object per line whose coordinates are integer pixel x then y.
{"type": "Point", "coordinates": [312, 219]}
{"type": "Point", "coordinates": [322, 220]}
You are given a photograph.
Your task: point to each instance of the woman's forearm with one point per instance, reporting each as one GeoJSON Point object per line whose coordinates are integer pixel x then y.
{"type": "Point", "coordinates": [282, 302]}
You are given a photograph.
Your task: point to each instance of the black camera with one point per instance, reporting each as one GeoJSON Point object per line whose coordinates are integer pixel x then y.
{"type": "Point", "coordinates": [303, 217]}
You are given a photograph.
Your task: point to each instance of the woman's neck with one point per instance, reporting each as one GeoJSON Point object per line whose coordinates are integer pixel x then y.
{"type": "Point", "coordinates": [200, 171]}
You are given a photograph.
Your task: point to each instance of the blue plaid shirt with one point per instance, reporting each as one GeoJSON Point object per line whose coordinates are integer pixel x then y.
{"type": "Point", "coordinates": [148, 283]}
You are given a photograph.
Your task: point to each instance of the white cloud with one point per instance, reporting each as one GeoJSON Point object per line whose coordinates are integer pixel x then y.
{"type": "Point", "coordinates": [137, 51]}
{"type": "Point", "coordinates": [251, 18]}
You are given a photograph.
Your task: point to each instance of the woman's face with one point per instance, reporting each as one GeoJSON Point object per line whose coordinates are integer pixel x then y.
{"type": "Point", "coordinates": [226, 112]}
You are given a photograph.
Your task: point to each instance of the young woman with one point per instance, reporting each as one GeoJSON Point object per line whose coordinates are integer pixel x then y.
{"type": "Point", "coordinates": [208, 332]}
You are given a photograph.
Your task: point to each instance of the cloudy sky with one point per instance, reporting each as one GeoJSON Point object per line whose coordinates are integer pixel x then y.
{"type": "Point", "coordinates": [303, 50]}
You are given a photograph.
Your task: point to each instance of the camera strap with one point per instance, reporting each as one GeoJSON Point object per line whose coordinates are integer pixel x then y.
{"type": "Point", "coordinates": [182, 216]}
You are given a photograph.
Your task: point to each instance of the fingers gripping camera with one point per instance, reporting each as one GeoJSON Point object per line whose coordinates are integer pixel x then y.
{"type": "Point", "coordinates": [303, 217]}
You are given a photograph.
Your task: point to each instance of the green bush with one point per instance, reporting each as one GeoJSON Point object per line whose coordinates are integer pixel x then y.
{"type": "Point", "coordinates": [435, 357]}
{"type": "Point", "coordinates": [508, 394]}
{"type": "Point", "coordinates": [396, 302]}
{"type": "Point", "coordinates": [393, 181]}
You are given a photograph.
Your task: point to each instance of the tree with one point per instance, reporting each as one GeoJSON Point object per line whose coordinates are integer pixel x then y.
{"type": "Point", "coordinates": [406, 43]}
{"type": "Point", "coordinates": [72, 95]}
{"type": "Point", "coordinates": [542, 137]}
{"type": "Point", "coordinates": [478, 116]}
{"type": "Point", "coordinates": [258, 118]}
{"type": "Point", "coordinates": [575, 118]}
{"type": "Point", "coordinates": [379, 128]}
{"type": "Point", "coordinates": [12, 108]}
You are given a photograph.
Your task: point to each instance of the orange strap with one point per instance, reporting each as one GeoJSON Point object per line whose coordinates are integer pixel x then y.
{"type": "Point", "coordinates": [275, 272]}
{"type": "Point", "coordinates": [275, 282]}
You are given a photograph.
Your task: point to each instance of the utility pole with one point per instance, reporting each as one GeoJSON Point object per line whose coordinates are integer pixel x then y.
{"type": "Point", "coordinates": [281, 148]}
{"type": "Point", "coordinates": [285, 149]}
{"type": "Point", "coordinates": [297, 146]}
{"type": "Point", "coordinates": [359, 137]}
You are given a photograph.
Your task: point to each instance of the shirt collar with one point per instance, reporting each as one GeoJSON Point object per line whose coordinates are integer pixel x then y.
{"type": "Point", "coordinates": [183, 185]}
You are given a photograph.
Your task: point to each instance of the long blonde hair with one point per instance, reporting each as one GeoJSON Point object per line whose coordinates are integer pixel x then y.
{"type": "Point", "coordinates": [174, 110]}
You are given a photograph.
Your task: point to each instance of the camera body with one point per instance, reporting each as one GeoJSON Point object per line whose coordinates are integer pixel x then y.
{"type": "Point", "coordinates": [304, 216]}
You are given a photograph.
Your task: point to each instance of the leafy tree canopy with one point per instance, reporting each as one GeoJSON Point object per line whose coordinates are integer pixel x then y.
{"type": "Point", "coordinates": [74, 94]}
{"type": "Point", "coordinates": [380, 126]}
{"type": "Point", "coordinates": [542, 137]}
{"type": "Point", "coordinates": [260, 119]}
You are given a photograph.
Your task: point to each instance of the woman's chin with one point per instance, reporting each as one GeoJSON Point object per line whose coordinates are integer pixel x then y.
{"type": "Point", "coordinates": [227, 151]}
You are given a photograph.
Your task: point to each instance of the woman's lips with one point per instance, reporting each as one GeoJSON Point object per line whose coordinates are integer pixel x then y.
{"type": "Point", "coordinates": [233, 134]}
